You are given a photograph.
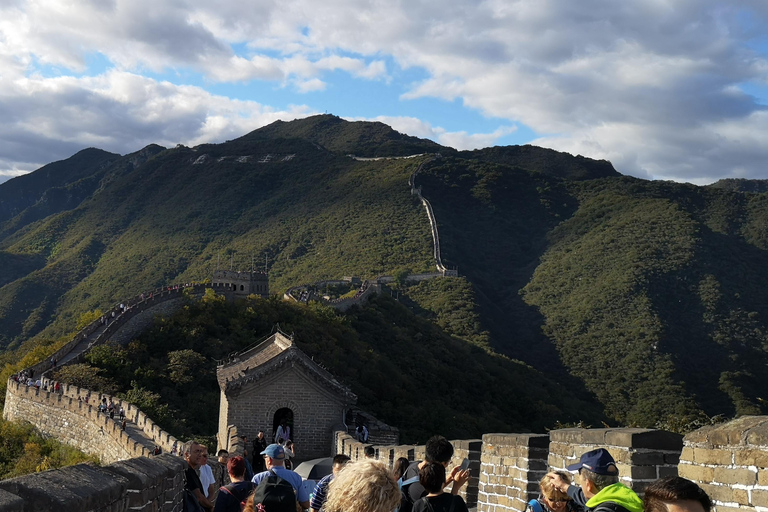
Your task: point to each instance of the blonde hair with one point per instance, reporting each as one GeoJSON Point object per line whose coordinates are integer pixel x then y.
{"type": "Point", "coordinates": [363, 486]}
{"type": "Point", "coordinates": [549, 491]}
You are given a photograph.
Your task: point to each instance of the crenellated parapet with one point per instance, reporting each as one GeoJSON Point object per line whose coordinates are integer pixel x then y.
{"type": "Point", "coordinates": [70, 419]}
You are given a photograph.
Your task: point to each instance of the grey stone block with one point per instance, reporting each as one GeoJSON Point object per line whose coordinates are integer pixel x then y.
{"type": "Point", "coordinates": [10, 502]}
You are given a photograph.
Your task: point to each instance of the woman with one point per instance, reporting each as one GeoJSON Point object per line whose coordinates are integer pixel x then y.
{"type": "Point", "coordinates": [432, 478]}
{"type": "Point", "coordinates": [289, 453]}
{"type": "Point", "coordinates": [364, 486]}
{"type": "Point", "coordinates": [552, 500]}
{"type": "Point", "coordinates": [398, 470]}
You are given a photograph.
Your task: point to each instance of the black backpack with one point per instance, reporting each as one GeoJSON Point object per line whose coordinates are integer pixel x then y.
{"type": "Point", "coordinates": [276, 494]}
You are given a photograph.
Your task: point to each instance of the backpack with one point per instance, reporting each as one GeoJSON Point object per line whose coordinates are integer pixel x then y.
{"type": "Point", "coordinates": [610, 506]}
{"type": "Point", "coordinates": [406, 505]}
{"type": "Point", "coordinates": [534, 506]}
{"type": "Point", "coordinates": [276, 494]}
{"type": "Point", "coordinates": [242, 497]}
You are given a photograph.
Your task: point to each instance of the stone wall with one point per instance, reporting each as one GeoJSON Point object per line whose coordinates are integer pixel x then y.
{"type": "Point", "coordinates": [317, 413]}
{"type": "Point", "coordinates": [730, 462]}
{"type": "Point", "coordinates": [140, 484]}
{"type": "Point", "coordinates": [511, 467]}
{"type": "Point", "coordinates": [79, 424]}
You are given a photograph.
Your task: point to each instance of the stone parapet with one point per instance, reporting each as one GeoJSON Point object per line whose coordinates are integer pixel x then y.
{"type": "Point", "coordinates": [511, 466]}
{"type": "Point", "coordinates": [642, 455]}
{"type": "Point", "coordinates": [730, 462]}
{"type": "Point", "coordinates": [141, 484]}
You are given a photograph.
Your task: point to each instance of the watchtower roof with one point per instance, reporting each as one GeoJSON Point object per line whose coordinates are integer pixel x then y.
{"type": "Point", "coordinates": [272, 355]}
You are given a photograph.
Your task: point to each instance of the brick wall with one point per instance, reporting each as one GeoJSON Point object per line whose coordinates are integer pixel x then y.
{"type": "Point", "coordinates": [316, 413]}
{"type": "Point", "coordinates": [140, 484]}
{"type": "Point", "coordinates": [511, 466]}
{"type": "Point", "coordinates": [642, 455]}
{"type": "Point", "coordinates": [730, 462]}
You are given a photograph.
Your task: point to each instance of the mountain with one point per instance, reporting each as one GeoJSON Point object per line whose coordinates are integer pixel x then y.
{"type": "Point", "coordinates": [646, 297]}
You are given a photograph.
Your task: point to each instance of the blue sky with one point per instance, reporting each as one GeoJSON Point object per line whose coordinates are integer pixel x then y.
{"type": "Point", "coordinates": [663, 89]}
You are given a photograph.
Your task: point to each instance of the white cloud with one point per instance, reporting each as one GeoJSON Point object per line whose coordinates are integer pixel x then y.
{"type": "Point", "coordinates": [653, 84]}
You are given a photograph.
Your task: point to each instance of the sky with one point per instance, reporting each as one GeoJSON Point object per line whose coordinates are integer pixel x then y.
{"type": "Point", "coordinates": [664, 89]}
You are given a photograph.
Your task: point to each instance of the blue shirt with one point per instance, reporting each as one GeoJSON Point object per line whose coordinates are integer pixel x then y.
{"type": "Point", "coordinates": [321, 492]}
{"type": "Point", "coordinates": [292, 477]}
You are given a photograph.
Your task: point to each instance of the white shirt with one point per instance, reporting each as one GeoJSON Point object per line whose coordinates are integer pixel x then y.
{"type": "Point", "coordinates": [206, 477]}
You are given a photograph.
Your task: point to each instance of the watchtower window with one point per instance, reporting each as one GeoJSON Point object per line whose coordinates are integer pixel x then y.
{"type": "Point", "coordinates": [242, 287]}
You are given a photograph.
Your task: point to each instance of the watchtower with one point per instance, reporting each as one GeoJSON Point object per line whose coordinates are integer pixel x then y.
{"type": "Point", "coordinates": [275, 382]}
{"type": "Point", "coordinates": [241, 284]}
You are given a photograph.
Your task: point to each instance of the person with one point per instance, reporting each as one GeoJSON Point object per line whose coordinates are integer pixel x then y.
{"type": "Point", "coordinates": [369, 452]}
{"type": "Point", "coordinates": [248, 468]}
{"type": "Point", "coordinates": [206, 476]}
{"type": "Point", "coordinates": [220, 470]}
{"type": "Point", "coordinates": [399, 468]}
{"type": "Point", "coordinates": [283, 432]}
{"type": "Point", "coordinates": [432, 478]}
{"type": "Point", "coordinates": [363, 486]}
{"type": "Point", "coordinates": [230, 496]}
{"type": "Point", "coordinates": [552, 500]}
{"type": "Point", "coordinates": [675, 494]}
{"type": "Point", "coordinates": [320, 494]}
{"type": "Point", "coordinates": [274, 460]}
{"type": "Point", "coordinates": [259, 445]}
{"type": "Point", "coordinates": [193, 455]}
{"type": "Point", "coordinates": [289, 454]}
{"type": "Point", "coordinates": [600, 489]}
{"type": "Point", "coordinates": [438, 449]}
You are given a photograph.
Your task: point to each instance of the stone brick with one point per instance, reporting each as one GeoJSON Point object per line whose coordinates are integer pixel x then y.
{"type": "Point", "coordinates": [720, 493]}
{"type": "Point", "coordinates": [760, 498]}
{"type": "Point", "coordinates": [696, 473]}
{"type": "Point", "coordinates": [751, 457]}
{"type": "Point", "coordinates": [735, 476]}
{"type": "Point", "coordinates": [687, 454]}
{"type": "Point", "coordinates": [667, 471]}
{"type": "Point", "coordinates": [741, 496]}
{"type": "Point", "coordinates": [712, 456]}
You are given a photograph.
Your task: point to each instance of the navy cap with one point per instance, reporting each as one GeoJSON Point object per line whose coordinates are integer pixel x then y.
{"type": "Point", "coordinates": [597, 461]}
{"type": "Point", "coordinates": [274, 451]}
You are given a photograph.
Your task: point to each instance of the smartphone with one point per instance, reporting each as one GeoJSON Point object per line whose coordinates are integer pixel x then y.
{"type": "Point", "coordinates": [465, 464]}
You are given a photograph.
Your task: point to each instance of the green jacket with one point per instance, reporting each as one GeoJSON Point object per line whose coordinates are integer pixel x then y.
{"type": "Point", "coordinates": [617, 493]}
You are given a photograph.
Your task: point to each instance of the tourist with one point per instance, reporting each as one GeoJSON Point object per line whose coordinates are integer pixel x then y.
{"type": "Point", "coordinates": [259, 445]}
{"type": "Point", "coordinates": [283, 432]}
{"type": "Point", "coordinates": [438, 449]}
{"type": "Point", "coordinates": [364, 486]}
{"type": "Point", "coordinates": [220, 470]}
{"type": "Point", "coordinates": [193, 455]}
{"type": "Point", "coordinates": [432, 478]}
{"type": "Point", "coordinates": [232, 495]}
{"type": "Point", "coordinates": [206, 476]}
{"type": "Point", "coordinates": [675, 494]}
{"type": "Point", "coordinates": [289, 454]}
{"type": "Point", "coordinates": [369, 452]}
{"type": "Point", "coordinates": [274, 459]}
{"type": "Point", "coordinates": [599, 484]}
{"type": "Point", "coordinates": [552, 500]}
{"type": "Point", "coordinates": [399, 468]}
{"type": "Point", "coordinates": [320, 495]}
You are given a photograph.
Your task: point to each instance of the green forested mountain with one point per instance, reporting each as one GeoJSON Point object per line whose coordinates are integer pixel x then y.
{"type": "Point", "coordinates": [646, 299]}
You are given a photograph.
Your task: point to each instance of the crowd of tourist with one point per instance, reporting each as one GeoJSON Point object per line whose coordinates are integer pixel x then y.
{"type": "Point", "coordinates": [429, 485]}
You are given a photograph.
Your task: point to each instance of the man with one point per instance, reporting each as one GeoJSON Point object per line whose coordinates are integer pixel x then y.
{"type": "Point", "coordinates": [206, 477]}
{"type": "Point", "coordinates": [259, 445]}
{"type": "Point", "coordinates": [370, 452]}
{"type": "Point", "coordinates": [220, 471]}
{"type": "Point", "coordinates": [274, 459]}
{"type": "Point", "coordinates": [438, 449]}
{"type": "Point", "coordinates": [600, 489]}
{"type": "Point", "coordinates": [321, 489]}
{"type": "Point", "coordinates": [231, 496]}
{"type": "Point", "coordinates": [193, 454]}
{"type": "Point", "coordinates": [676, 494]}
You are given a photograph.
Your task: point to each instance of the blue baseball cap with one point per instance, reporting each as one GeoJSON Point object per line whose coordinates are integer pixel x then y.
{"type": "Point", "coordinates": [274, 451]}
{"type": "Point", "coordinates": [597, 461]}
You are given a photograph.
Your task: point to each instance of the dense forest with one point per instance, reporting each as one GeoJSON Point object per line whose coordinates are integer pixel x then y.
{"type": "Point", "coordinates": [584, 295]}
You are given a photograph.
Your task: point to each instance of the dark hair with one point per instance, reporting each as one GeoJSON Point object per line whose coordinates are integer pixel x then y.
{"type": "Point", "coordinates": [222, 452]}
{"type": "Point", "coordinates": [401, 465]}
{"type": "Point", "coordinates": [600, 481]}
{"type": "Point", "coordinates": [369, 451]}
{"type": "Point", "coordinates": [671, 489]}
{"type": "Point", "coordinates": [438, 449]}
{"type": "Point", "coordinates": [432, 477]}
{"type": "Point", "coordinates": [340, 459]}
{"type": "Point", "coordinates": [236, 466]}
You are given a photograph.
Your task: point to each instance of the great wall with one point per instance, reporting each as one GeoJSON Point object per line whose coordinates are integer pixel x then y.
{"type": "Point", "coordinates": [730, 460]}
